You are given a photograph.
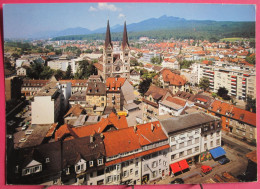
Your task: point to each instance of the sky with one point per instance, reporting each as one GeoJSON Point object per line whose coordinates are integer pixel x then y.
{"type": "Point", "coordinates": [21, 20]}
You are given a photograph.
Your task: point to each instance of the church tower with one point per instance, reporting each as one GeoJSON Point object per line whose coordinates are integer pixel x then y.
{"type": "Point", "coordinates": [116, 63]}
{"type": "Point", "coordinates": [124, 55]}
{"type": "Point", "coordinates": [107, 54]}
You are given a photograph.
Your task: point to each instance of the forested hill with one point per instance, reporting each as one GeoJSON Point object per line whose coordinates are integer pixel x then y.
{"type": "Point", "coordinates": [173, 27]}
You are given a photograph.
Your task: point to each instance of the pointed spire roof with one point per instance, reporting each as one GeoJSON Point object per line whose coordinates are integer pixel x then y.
{"type": "Point", "coordinates": [108, 36]}
{"type": "Point", "coordinates": [125, 38]}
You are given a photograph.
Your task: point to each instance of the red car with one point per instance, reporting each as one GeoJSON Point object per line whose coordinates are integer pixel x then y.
{"type": "Point", "coordinates": [206, 169]}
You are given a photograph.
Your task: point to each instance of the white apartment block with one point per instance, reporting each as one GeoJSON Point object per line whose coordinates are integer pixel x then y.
{"type": "Point", "coordinates": [240, 83]}
{"type": "Point", "coordinates": [49, 102]}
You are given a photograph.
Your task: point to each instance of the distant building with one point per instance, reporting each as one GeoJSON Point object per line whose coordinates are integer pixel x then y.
{"type": "Point", "coordinates": [171, 63]}
{"type": "Point", "coordinates": [12, 88]}
{"type": "Point", "coordinates": [21, 71]}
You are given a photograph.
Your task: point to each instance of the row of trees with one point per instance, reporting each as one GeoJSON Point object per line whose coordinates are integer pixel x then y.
{"type": "Point", "coordinates": [39, 71]}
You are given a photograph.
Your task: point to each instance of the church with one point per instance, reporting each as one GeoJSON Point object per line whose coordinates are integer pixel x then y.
{"type": "Point", "coordinates": [115, 63]}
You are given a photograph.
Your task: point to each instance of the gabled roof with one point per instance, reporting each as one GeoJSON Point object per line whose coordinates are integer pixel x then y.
{"type": "Point", "coordinates": [75, 111]}
{"type": "Point", "coordinates": [114, 84]}
{"type": "Point", "coordinates": [174, 102]}
{"type": "Point", "coordinates": [98, 66]}
{"type": "Point", "coordinates": [156, 92]}
{"type": "Point", "coordinates": [119, 122]}
{"type": "Point", "coordinates": [172, 78]}
{"type": "Point", "coordinates": [96, 88]}
{"type": "Point", "coordinates": [233, 112]}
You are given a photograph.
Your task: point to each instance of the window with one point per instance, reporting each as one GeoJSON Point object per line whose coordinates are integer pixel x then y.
{"type": "Point", "coordinates": [211, 135]}
{"type": "Point", "coordinates": [251, 129]}
{"type": "Point", "coordinates": [181, 145]}
{"type": "Point", "coordinates": [218, 133]}
{"type": "Point", "coordinates": [136, 173]}
{"type": "Point", "coordinates": [160, 161]}
{"type": "Point", "coordinates": [197, 140]}
{"type": "Point", "coordinates": [205, 146]}
{"type": "Point", "coordinates": [218, 141]}
{"type": "Point", "coordinates": [136, 163]}
{"type": "Point", "coordinates": [47, 160]}
{"type": "Point", "coordinates": [181, 154]}
{"type": "Point", "coordinates": [251, 135]}
{"type": "Point", "coordinates": [55, 181]}
{"type": "Point", "coordinates": [173, 156]}
{"type": "Point", "coordinates": [125, 173]}
{"type": "Point", "coordinates": [172, 139]}
{"type": "Point", "coordinates": [189, 152]}
{"type": "Point", "coordinates": [173, 147]}
{"type": "Point", "coordinates": [189, 142]}
{"type": "Point", "coordinates": [91, 175]}
{"type": "Point", "coordinates": [160, 171]}
{"type": "Point", "coordinates": [154, 164]}
{"type": "Point", "coordinates": [109, 179]}
{"type": "Point", "coordinates": [131, 171]}
{"type": "Point", "coordinates": [100, 161]}
{"type": "Point", "coordinates": [211, 143]}
{"type": "Point", "coordinates": [196, 148]}
{"type": "Point", "coordinates": [196, 132]}
{"type": "Point", "coordinates": [205, 137]}
{"type": "Point", "coordinates": [118, 167]}
{"type": "Point", "coordinates": [154, 174]}
{"type": "Point", "coordinates": [91, 164]}
{"type": "Point", "coordinates": [164, 163]}
{"type": "Point", "coordinates": [77, 168]}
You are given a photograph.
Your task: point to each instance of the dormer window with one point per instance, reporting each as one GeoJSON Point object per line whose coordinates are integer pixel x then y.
{"type": "Point", "coordinates": [91, 164]}
{"type": "Point", "coordinates": [68, 171]}
{"type": "Point", "coordinates": [47, 160]}
{"type": "Point", "coordinates": [242, 116]}
{"type": "Point", "coordinates": [100, 161]}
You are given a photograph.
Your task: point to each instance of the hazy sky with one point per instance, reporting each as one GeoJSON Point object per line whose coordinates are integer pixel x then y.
{"type": "Point", "coordinates": [25, 19]}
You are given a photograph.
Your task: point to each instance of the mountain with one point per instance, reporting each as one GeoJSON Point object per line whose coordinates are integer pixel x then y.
{"type": "Point", "coordinates": [162, 23]}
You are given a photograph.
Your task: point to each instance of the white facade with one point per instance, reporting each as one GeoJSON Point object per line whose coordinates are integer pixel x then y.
{"type": "Point", "coordinates": [63, 65]}
{"type": "Point", "coordinates": [21, 71]}
{"type": "Point", "coordinates": [164, 109]}
{"type": "Point", "coordinates": [45, 110]}
{"type": "Point", "coordinates": [171, 64]}
{"type": "Point", "coordinates": [184, 145]}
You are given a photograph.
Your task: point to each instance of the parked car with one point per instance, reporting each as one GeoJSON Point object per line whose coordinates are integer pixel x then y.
{"type": "Point", "coordinates": [223, 161]}
{"type": "Point", "coordinates": [206, 169]}
{"type": "Point", "coordinates": [24, 127]}
{"type": "Point", "coordinates": [177, 181]}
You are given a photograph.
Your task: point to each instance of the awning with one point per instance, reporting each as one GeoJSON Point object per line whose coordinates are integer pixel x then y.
{"type": "Point", "coordinates": [183, 164]}
{"type": "Point", "coordinates": [217, 152]}
{"type": "Point", "coordinates": [175, 167]}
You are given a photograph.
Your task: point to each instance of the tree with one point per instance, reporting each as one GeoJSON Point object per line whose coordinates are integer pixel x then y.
{"type": "Point", "coordinates": [223, 92]}
{"type": "Point", "coordinates": [251, 59]}
{"type": "Point", "coordinates": [204, 83]}
{"type": "Point", "coordinates": [144, 86]}
{"type": "Point", "coordinates": [133, 62]}
{"type": "Point", "coordinates": [85, 70]}
{"type": "Point", "coordinates": [156, 60]}
{"type": "Point", "coordinates": [68, 74]}
{"type": "Point", "coordinates": [59, 74]}
{"type": "Point", "coordinates": [46, 73]}
{"type": "Point", "coordinates": [250, 104]}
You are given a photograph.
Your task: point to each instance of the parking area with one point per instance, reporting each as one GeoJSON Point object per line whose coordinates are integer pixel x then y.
{"type": "Point", "coordinates": [236, 166]}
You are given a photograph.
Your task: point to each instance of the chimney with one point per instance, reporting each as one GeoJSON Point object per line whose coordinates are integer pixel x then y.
{"type": "Point", "coordinates": [152, 127]}
{"type": "Point", "coordinates": [91, 138]}
{"type": "Point", "coordinates": [135, 128]}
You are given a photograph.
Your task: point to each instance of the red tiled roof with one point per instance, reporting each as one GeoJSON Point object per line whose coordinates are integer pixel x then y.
{"type": "Point", "coordinates": [118, 121]}
{"type": "Point", "coordinates": [76, 82]}
{"type": "Point", "coordinates": [137, 155]}
{"type": "Point", "coordinates": [75, 110]}
{"type": "Point", "coordinates": [172, 78]}
{"type": "Point", "coordinates": [202, 99]}
{"type": "Point", "coordinates": [114, 83]}
{"type": "Point", "coordinates": [126, 140]}
{"type": "Point", "coordinates": [238, 114]}
{"type": "Point", "coordinates": [176, 100]}
{"type": "Point", "coordinates": [98, 66]}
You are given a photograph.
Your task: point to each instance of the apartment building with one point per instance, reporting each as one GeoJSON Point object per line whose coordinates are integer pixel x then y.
{"type": "Point", "coordinates": [96, 94]}
{"type": "Point", "coordinates": [240, 83]}
{"type": "Point", "coordinates": [49, 102]}
{"type": "Point", "coordinates": [189, 136]}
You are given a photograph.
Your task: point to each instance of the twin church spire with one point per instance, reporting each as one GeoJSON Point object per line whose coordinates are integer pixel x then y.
{"type": "Point", "coordinates": [108, 40]}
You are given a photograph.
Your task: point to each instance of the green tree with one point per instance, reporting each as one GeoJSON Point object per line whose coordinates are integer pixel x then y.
{"type": "Point", "coordinates": [204, 83]}
{"type": "Point", "coordinates": [144, 86]}
{"type": "Point", "coordinates": [223, 92]}
{"type": "Point", "coordinates": [250, 104]}
{"type": "Point", "coordinates": [68, 74]}
{"type": "Point", "coordinates": [59, 74]}
{"type": "Point", "coordinates": [156, 60]}
{"type": "Point", "coordinates": [85, 70]}
{"type": "Point", "coordinates": [133, 62]}
{"type": "Point", "coordinates": [46, 73]}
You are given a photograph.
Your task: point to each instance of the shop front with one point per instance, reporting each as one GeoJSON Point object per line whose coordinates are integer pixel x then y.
{"type": "Point", "coordinates": [179, 167]}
